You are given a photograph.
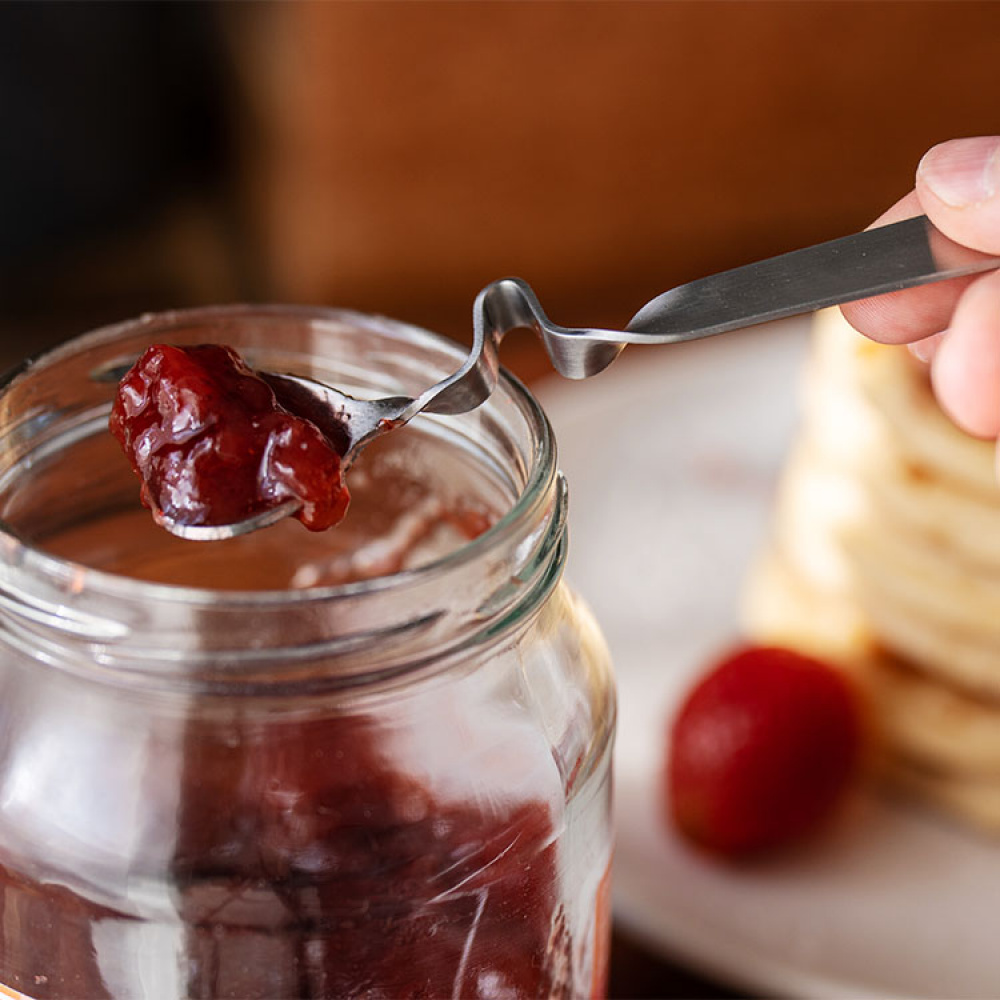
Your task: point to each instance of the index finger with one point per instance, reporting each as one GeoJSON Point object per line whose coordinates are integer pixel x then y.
{"type": "Point", "coordinates": [914, 313]}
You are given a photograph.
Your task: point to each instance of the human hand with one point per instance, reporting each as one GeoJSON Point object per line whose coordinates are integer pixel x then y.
{"type": "Point", "coordinates": [954, 324]}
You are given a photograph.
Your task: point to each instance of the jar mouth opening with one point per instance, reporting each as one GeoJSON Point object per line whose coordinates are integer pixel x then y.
{"type": "Point", "coordinates": [540, 472]}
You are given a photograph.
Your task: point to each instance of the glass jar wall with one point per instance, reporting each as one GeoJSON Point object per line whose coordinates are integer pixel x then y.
{"type": "Point", "coordinates": [369, 762]}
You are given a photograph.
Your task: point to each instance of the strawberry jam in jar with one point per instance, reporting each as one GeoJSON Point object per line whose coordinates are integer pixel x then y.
{"type": "Point", "coordinates": [366, 762]}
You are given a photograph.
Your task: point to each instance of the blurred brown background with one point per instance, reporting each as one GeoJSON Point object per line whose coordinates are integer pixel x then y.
{"type": "Point", "coordinates": [396, 157]}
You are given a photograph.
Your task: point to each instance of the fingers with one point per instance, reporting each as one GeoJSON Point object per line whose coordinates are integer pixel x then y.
{"type": "Point", "coordinates": [913, 314]}
{"type": "Point", "coordinates": [954, 324]}
{"type": "Point", "coordinates": [958, 185]}
{"type": "Point", "coordinates": [924, 350]}
{"type": "Point", "coordinates": [907, 316]}
{"type": "Point", "coordinates": [966, 367]}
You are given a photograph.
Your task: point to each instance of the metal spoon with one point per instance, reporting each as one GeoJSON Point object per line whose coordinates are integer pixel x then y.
{"type": "Point", "coordinates": [352, 423]}
{"type": "Point", "coordinates": [874, 262]}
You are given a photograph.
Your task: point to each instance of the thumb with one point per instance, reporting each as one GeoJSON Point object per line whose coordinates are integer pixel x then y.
{"type": "Point", "coordinates": [958, 184]}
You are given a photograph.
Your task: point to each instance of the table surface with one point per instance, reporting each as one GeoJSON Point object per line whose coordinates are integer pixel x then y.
{"type": "Point", "coordinates": [639, 974]}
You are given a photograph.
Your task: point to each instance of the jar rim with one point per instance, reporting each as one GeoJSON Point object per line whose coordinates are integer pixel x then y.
{"type": "Point", "coordinates": [540, 473]}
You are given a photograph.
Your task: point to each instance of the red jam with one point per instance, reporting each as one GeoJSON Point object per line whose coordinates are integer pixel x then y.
{"type": "Point", "coordinates": [212, 444]}
{"type": "Point", "coordinates": [306, 865]}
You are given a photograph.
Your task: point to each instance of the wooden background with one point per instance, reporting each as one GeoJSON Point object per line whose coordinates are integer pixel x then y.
{"type": "Point", "coordinates": [400, 156]}
{"type": "Point", "coordinates": [397, 156]}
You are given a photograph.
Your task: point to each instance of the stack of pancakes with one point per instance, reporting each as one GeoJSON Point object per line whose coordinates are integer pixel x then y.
{"type": "Point", "coordinates": [885, 555]}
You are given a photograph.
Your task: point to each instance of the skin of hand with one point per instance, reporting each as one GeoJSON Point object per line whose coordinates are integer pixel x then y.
{"type": "Point", "coordinates": [955, 324]}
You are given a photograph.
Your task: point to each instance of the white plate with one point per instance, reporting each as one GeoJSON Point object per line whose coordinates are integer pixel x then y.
{"type": "Point", "coordinates": [671, 457]}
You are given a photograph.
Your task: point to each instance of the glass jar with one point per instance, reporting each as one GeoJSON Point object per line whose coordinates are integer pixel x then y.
{"type": "Point", "coordinates": [371, 762]}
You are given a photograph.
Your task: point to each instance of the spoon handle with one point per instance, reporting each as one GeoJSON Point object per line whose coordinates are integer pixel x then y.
{"type": "Point", "coordinates": [885, 259]}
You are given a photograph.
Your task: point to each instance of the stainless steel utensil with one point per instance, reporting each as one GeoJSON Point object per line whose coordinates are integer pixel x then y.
{"type": "Point", "coordinates": [886, 259]}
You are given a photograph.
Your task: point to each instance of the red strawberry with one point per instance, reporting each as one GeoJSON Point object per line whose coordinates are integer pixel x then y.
{"type": "Point", "coordinates": [762, 751]}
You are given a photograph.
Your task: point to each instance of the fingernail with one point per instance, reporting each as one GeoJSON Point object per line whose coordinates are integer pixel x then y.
{"type": "Point", "coordinates": [962, 172]}
{"type": "Point", "coordinates": [924, 350]}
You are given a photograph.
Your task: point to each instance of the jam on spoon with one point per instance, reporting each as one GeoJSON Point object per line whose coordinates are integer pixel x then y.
{"type": "Point", "coordinates": [172, 470]}
{"type": "Point", "coordinates": [213, 443]}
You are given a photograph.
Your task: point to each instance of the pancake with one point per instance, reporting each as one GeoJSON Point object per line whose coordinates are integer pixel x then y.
{"type": "Point", "coordinates": [923, 719]}
{"type": "Point", "coordinates": [884, 556]}
{"type": "Point", "coordinates": [780, 608]}
{"type": "Point", "coordinates": [927, 723]}
{"type": "Point", "coordinates": [971, 801]}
